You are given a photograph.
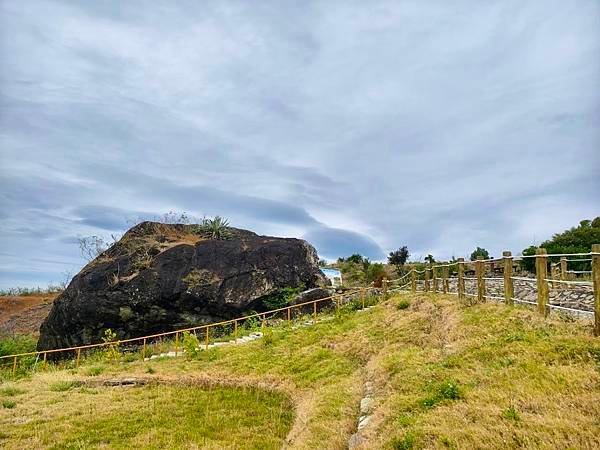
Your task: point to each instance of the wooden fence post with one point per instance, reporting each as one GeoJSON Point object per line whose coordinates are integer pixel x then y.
{"type": "Point", "coordinates": [509, 287]}
{"type": "Point", "coordinates": [14, 372]}
{"type": "Point", "coordinates": [479, 268]}
{"type": "Point", "coordinates": [426, 284]}
{"type": "Point", "coordinates": [596, 281]}
{"type": "Point", "coordinates": [445, 279]}
{"type": "Point", "coordinates": [413, 281]}
{"type": "Point", "coordinates": [315, 312]}
{"type": "Point", "coordinates": [363, 295]}
{"type": "Point", "coordinates": [460, 287]}
{"type": "Point", "coordinates": [206, 338]}
{"type": "Point", "coordinates": [435, 279]}
{"type": "Point", "coordinates": [176, 343]}
{"type": "Point", "coordinates": [541, 274]}
{"type": "Point", "coordinates": [563, 269]}
{"type": "Point", "coordinates": [554, 274]}
{"type": "Point", "coordinates": [144, 350]}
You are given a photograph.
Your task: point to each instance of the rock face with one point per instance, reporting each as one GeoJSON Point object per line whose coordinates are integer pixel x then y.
{"type": "Point", "coordinates": [162, 277]}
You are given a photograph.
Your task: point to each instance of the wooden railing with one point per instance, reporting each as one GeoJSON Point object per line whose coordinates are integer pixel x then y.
{"type": "Point", "coordinates": [142, 341]}
{"type": "Point", "coordinates": [436, 279]}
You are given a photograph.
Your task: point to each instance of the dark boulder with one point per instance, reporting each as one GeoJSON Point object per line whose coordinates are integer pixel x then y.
{"type": "Point", "coordinates": [162, 277]}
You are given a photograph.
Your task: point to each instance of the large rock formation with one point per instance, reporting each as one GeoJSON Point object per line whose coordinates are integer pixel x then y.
{"type": "Point", "coordinates": [162, 277]}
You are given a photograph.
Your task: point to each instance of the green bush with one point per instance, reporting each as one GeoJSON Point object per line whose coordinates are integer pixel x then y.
{"type": "Point", "coordinates": [8, 404]}
{"type": "Point", "coordinates": [282, 297]}
{"type": "Point", "coordinates": [405, 443]}
{"type": "Point", "coordinates": [112, 352]}
{"type": "Point", "coordinates": [403, 304]}
{"type": "Point", "coordinates": [20, 343]}
{"type": "Point", "coordinates": [191, 345]}
{"type": "Point", "coordinates": [94, 371]}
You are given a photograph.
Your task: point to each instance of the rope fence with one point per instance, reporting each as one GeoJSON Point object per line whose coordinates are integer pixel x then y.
{"type": "Point", "coordinates": [435, 279]}
{"type": "Point", "coordinates": [560, 282]}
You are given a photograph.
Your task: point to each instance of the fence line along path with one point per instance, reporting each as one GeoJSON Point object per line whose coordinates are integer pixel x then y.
{"type": "Point", "coordinates": [206, 331]}
{"type": "Point", "coordinates": [554, 287]}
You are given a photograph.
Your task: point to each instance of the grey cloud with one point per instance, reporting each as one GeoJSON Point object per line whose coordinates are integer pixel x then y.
{"type": "Point", "coordinates": [439, 125]}
{"type": "Point", "coordinates": [332, 242]}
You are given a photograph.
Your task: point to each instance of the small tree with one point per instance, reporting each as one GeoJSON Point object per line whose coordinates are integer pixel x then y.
{"type": "Point", "coordinates": [398, 258]}
{"type": "Point", "coordinates": [430, 259]}
{"type": "Point", "coordinates": [91, 247]}
{"type": "Point", "coordinates": [480, 252]}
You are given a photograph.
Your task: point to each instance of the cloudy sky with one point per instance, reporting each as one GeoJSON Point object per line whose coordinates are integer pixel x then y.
{"type": "Point", "coordinates": [360, 126]}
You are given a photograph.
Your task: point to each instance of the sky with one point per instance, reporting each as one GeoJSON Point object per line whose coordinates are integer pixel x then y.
{"type": "Point", "coordinates": [359, 126]}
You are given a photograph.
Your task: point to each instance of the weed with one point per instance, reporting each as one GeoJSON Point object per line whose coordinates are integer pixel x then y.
{"type": "Point", "coordinates": [11, 391]}
{"type": "Point", "coordinates": [94, 371]}
{"type": "Point", "coordinates": [448, 390]}
{"type": "Point", "coordinates": [511, 413]}
{"type": "Point", "coordinates": [403, 304]}
{"type": "Point", "coordinates": [191, 345]}
{"type": "Point", "coordinates": [267, 337]}
{"type": "Point", "coordinates": [150, 370]}
{"type": "Point", "coordinates": [112, 352]}
{"type": "Point", "coordinates": [405, 443]}
{"type": "Point", "coordinates": [8, 404]}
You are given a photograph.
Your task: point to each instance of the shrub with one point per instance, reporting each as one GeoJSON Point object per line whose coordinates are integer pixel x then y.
{"type": "Point", "coordinates": [403, 304]}
{"type": "Point", "coordinates": [112, 352]}
{"type": "Point", "coordinates": [216, 228]}
{"type": "Point", "coordinates": [8, 404]}
{"type": "Point", "coordinates": [95, 371]}
{"type": "Point", "coordinates": [20, 343]}
{"type": "Point", "coordinates": [405, 443]}
{"type": "Point", "coordinates": [268, 337]}
{"type": "Point", "coordinates": [282, 297]}
{"type": "Point", "coordinates": [191, 345]}
{"type": "Point", "coordinates": [11, 391]}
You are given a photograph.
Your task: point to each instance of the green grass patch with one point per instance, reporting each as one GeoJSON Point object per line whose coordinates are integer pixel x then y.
{"type": "Point", "coordinates": [164, 417]}
{"type": "Point", "coordinates": [8, 404]}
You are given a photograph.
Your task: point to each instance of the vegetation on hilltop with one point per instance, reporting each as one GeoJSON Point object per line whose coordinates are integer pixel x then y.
{"type": "Point", "coordinates": [577, 239]}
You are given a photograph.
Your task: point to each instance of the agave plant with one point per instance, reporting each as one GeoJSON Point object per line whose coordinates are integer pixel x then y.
{"type": "Point", "coordinates": [216, 228]}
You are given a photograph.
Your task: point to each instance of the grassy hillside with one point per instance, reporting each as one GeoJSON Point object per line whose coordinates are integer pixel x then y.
{"type": "Point", "coordinates": [442, 375]}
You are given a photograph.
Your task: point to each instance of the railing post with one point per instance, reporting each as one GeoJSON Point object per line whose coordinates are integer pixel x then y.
{"type": "Point", "coordinates": [176, 343]}
{"type": "Point", "coordinates": [445, 279]}
{"type": "Point", "coordinates": [78, 356]}
{"type": "Point", "coordinates": [479, 269]}
{"type": "Point", "coordinates": [363, 295]}
{"type": "Point", "coordinates": [461, 279]}
{"type": "Point", "coordinates": [554, 274]}
{"type": "Point", "coordinates": [426, 285]}
{"type": "Point", "coordinates": [435, 279]}
{"type": "Point", "coordinates": [384, 286]}
{"type": "Point", "coordinates": [144, 350]}
{"type": "Point", "coordinates": [14, 371]}
{"type": "Point", "coordinates": [596, 281]}
{"type": "Point", "coordinates": [413, 281]}
{"type": "Point", "coordinates": [315, 312]}
{"type": "Point", "coordinates": [509, 287]}
{"type": "Point", "coordinates": [541, 274]}
{"type": "Point", "coordinates": [206, 337]}
{"type": "Point", "coordinates": [563, 268]}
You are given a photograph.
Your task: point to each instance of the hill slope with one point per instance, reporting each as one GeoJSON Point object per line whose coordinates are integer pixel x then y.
{"type": "Point", "coordinates": [435, 374]}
